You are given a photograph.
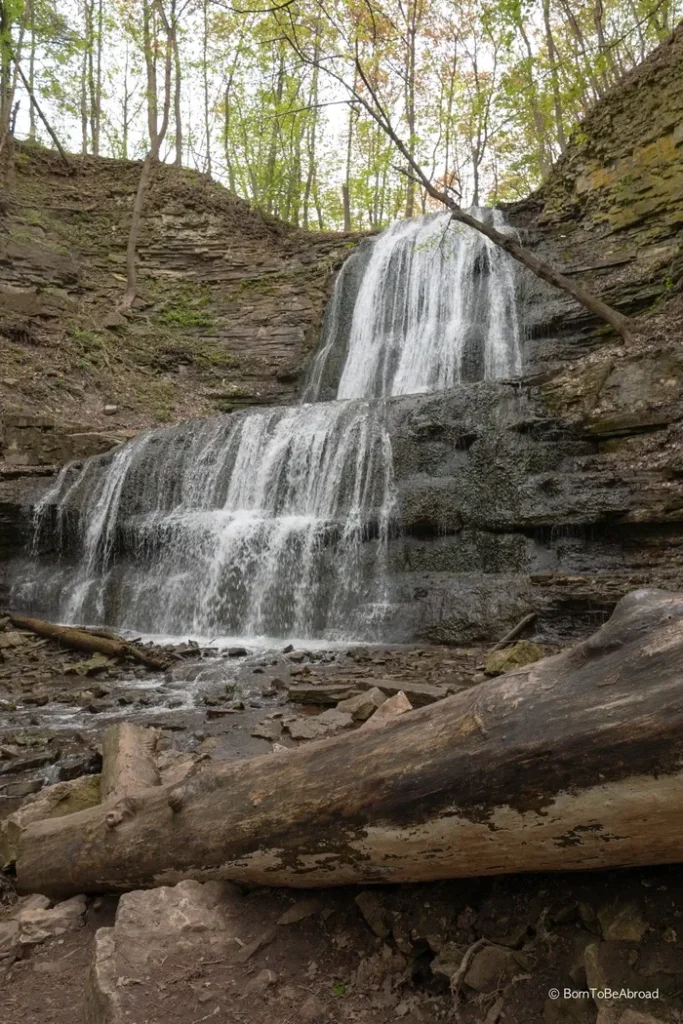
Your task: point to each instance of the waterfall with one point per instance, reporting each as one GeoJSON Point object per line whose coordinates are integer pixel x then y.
{"type": "Point", "coordinates": [252, 525]}
{"type": "Point", "coordinates": [435, 306]}
{"type": "Point", "coordinates": [276, 522]}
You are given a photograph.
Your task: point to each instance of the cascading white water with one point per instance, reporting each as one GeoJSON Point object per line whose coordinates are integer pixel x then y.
{"type": "Point", "coordinates": [252, 525]}
{"type": "Point", "coordinates": [276, 522]}
{"type": "Point", "coordinates": [436, 305]}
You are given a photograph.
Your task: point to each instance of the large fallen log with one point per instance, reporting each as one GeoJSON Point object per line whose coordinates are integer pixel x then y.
{"type": "Point", "coordinates": [88, 641]}
{"type": "Point", "coordinates": [571, 763]}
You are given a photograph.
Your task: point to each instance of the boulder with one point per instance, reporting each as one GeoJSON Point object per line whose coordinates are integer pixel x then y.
{"type": "Point", "coordinates": [175, 765]}
{"type": "Point", "coordinates": [326, 724]}
{"type": "Point", "coordinates": [372, 910]}
{"type": "Point", "coordinates": [624, 923]}
{"type": "Point", "coordinates": [320, 693]}
{"type": "Point", "coordinates": [491, 968]}
{"type": "Point", "coordinates": [38, 923]}
{"type": "Point", "coordinates": [363, 705]}
{"type": "Point", "coordinates": [102, 994]}
{"type": "Point", "coordinates": [9, 941]}
{"type": "Point", "coordinates": [388, 711]}
{"type": "Point", "coordinates": [300, 911]}
{"type": "Point", "coordinates": [149, 925]}
{"type": "Point", "coordinates": [189, 907]}
{"type": "Point", "coordinates": [260, 983]}
{"type": "Point", "coordinates": [267, 731]}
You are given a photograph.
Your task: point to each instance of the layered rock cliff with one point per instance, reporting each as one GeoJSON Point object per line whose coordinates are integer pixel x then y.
{"type": "Point", "coordinates": [230, 305]}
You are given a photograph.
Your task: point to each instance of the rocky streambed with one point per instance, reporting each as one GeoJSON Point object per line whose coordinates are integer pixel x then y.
{"type": "Point", "coordinates": [594, 948]}
{"type": "Point", "coordinates": [228, 703]}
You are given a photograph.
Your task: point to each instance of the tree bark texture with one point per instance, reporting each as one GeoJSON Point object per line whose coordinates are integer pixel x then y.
{"type": "Point", "coordinates": [128, 763]}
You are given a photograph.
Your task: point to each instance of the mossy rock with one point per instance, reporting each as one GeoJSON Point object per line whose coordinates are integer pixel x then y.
{"type": "Point", "coordinates": [525, 652]}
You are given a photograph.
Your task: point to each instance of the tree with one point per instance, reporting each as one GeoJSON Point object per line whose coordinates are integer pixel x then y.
{"type": "Point", "coordinates": [368, 95]}
{"type": "Point", "coordinates": [155, 21]}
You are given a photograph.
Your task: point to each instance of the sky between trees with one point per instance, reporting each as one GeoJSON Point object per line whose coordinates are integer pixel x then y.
{"type": "Point", "coordinates": [484, 94]}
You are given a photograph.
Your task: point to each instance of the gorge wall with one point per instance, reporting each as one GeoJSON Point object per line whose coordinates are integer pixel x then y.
{"type": "Point", "coordinates": [556, 493]}
{"type": "Point", "coordinates": [230, 305]}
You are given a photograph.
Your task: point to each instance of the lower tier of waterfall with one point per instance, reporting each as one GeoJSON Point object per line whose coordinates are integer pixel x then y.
{"type": "Point", "coordinates": [257, 524]}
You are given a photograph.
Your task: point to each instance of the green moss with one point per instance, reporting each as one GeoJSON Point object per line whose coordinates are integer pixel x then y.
{"type": "Point", "coordinates": [186, 316]}
{"type": "Point", "coordinates": [34, 217]}
{"type": "Point", "coordinates": [184, 307]}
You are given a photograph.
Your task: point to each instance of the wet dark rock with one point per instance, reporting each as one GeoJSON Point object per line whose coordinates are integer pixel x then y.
{"type": "Point", "coordinates": [72, 766]}
{"type": "Point", "coordinates": [15, 766]}
{"type": "Point", "coordinates": [237, 652]}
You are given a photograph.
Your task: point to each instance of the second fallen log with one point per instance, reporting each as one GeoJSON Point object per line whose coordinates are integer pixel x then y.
{"type": "Point", "coordinates": [89, 642]}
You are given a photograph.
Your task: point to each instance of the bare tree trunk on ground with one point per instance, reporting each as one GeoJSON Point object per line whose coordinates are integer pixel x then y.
{"type": "Point", "coordinates": [573, 763]}
{"type": "Point", "coordinates": [88, 641]}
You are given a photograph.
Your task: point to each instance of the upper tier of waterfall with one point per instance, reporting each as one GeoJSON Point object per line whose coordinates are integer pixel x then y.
{"type": "Point", "coordinates": [434, 304]}
{"type": "Point", "coordinates": [275, 522]}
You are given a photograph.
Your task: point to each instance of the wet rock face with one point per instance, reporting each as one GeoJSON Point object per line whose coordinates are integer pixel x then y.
{"type": "Point", "coordinates": [503, 508]}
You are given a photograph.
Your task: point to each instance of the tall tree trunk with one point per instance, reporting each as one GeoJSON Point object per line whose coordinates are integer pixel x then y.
{"type": "Point", "coordinates": [177, 92]}
{"type": "Point", "coordinates": [205, 67]}
{"type": "Point", "coordinates": [149, 36]}
{"type": "Point", "coordinates": [84, 103]}
{"type": "Point", "coordinates": [91, 44]}
{"type": "Point", "coordinates": [97, 99]}
{"type": "Point", "coordinates": [272, 154]}
{"type": "Point", "coordinates": [588, 64]}
{"type": "Point", "coordinates": [32, 125]}
{"type": "Point", "coordinates": [226, 138]}
{"type": "Point", "coordinates": [311, 135]}
{"type": "Point", "coordinates": [544, 162]}
{"type": "Point", "coordinates": [151, 158]}
{"type": "Point", "coordinates": [346, 187]}
{"type": "Point", "coordinates": [554, 77]}
{"type": "Point", "coordinates": [603, 49]}
{"type": "Point", "coordinates": [125, 108]}
{"type": "Point", "coordinates": [11, 53]}
{"type": "Point", "coordinates": [410, 43]}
